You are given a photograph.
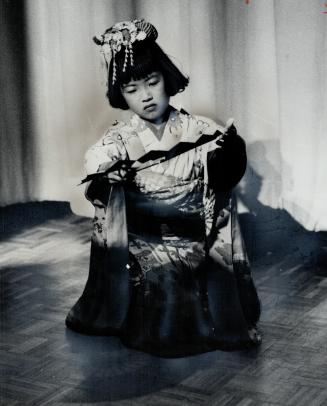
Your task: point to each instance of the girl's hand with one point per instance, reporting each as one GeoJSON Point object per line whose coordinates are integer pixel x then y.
{"type": "Point", "coordinates": [116, 176]}
{"type": "Point", "coordinates": [229, 129]}
{"type": "Point", "coordinates": [124, 174]}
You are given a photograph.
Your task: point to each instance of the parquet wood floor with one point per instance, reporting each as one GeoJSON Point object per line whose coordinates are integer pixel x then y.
{"type": "Point", "coordinates": [44, 265]}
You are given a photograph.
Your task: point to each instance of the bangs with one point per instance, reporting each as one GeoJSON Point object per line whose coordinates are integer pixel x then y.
{"type": "Point", "coordinates": [144, 63]}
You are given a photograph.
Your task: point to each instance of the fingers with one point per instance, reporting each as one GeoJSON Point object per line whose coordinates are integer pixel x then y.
{"type": "Point", "coordinates": [122, 175]}
{"type": "Point", "coordinates": [114, 177]}
{"type": "Point", "coordinates": [220, 141]}
{"type": "Point", "coordinates": [228, 132]}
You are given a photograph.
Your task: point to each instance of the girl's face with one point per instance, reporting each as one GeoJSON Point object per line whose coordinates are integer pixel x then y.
{"type": "Point", "coordinates": [147, 97]}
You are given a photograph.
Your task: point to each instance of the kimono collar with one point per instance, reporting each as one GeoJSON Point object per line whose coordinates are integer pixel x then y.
{"type": "Point", "coordinates": [147, 136]}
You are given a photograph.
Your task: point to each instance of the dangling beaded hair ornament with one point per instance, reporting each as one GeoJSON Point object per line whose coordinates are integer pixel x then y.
{"type": "Point", "coordinates": [124, 34]}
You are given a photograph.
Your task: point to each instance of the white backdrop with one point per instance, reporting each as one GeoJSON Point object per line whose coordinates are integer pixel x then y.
{"type": "Point", "coordinates": [263, 64]}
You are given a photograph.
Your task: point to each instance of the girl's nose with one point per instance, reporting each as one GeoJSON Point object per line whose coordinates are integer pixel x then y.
{"type": "Point", "coordinates": [146, 95]}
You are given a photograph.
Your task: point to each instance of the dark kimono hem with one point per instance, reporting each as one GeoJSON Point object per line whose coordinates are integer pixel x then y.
{"type": "Point", "coordinates": [89, 329]}
{"type": "Point", "coordinates": [180, 350]}
{"type": "Point", "coordinates": [169, 350]}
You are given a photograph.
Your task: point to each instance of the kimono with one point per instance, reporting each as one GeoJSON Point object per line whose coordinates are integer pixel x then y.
{"type": "Point", "coordinates": [168, 272]}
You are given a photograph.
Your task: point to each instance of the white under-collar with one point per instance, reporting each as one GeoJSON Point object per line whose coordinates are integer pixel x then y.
{"type": "Point", "coordinates": [148, 137]}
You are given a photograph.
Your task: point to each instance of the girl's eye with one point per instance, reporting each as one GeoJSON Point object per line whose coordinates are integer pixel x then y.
{"type": "Point", "coordinates": [130, 91]}
{"type": "Point", "coordinates": [153, 83]}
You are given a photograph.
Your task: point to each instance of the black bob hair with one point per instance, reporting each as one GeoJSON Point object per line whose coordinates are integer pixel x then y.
{"type": "Point", "coordinates": [148, 57]}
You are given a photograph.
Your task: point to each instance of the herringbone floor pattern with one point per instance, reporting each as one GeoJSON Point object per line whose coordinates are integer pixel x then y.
{"type": "Point", "coordinates": [43, 271]}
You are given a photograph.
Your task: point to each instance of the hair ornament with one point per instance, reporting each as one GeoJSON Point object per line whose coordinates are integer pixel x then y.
{"type": "Point", "coordinates": [124, 34]}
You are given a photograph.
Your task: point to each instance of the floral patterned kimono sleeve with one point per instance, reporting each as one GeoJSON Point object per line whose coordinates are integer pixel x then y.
{"type": "Point", "coordinates": [108, 279]}
{"type": "Point", "coordinates": [109, 148]}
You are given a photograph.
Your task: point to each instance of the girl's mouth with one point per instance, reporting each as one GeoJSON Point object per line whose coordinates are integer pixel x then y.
{"type": "Point", "coordinates": [150, 107]}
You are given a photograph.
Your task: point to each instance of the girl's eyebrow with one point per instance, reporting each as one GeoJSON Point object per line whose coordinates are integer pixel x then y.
{"type": "Point", "coordinates": [151, 76]}
{"type": "Point", "coordinates": [128, 84]}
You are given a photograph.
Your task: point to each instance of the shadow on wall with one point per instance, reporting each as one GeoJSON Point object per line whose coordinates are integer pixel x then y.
{"type": "Point", "coordinates": [273, 235]}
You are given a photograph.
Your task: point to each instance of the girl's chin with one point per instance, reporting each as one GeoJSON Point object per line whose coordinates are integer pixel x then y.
{"type": "Point", "coordinates": [156, 117]}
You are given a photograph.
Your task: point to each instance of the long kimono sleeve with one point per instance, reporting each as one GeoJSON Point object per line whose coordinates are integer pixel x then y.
{"type": "Point", "coordinates": [110, 228]}
{"type": "Point", "coordinates": [226, 165]}
{"type": "Point", "coordinates": [104, 304]}
{"type": "Point", "coordinates": [109, 148]}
